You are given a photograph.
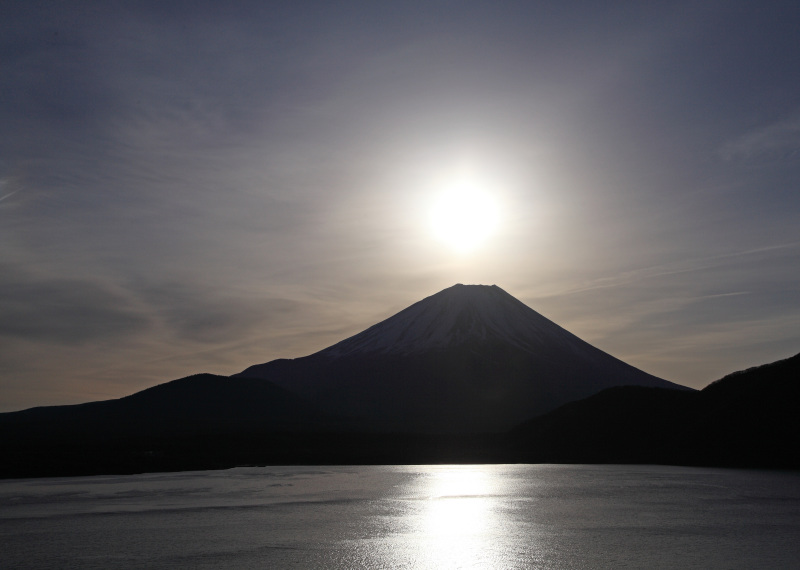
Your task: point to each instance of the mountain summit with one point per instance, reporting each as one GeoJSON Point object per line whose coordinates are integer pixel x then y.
{"type": "Point", "coordinates": [459, 315]}
{"type": "Point", "coordinates": [469, 358]}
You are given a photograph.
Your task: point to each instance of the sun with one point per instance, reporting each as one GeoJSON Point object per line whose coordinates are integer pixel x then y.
{"type": "Point", "coordinates": [463, 217]}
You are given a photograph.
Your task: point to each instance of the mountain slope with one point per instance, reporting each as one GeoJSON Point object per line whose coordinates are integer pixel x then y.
{"type": "Point", "coordinates": [199, 403]}
{"type": "Point", "coordinates": [746, 419]}
{"type": "Point", "coordinates": [470, 358]}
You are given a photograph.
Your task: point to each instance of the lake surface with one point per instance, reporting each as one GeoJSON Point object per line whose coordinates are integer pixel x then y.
{"type": "Point", "coordinates": [468, 516]}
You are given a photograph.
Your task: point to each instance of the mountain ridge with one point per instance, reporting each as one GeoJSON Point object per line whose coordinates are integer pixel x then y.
{"type": "Point", "coordinates": [745, 419]}
{"type": "Point", "coordinates": [468, 358]}
{"type": "Point", "coordinates": [748, 420]}
{"type": "Point", "coordinates": [200, 401]}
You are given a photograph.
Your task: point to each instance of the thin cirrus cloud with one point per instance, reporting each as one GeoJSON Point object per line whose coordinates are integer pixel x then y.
{"type": "Point", "coordinates": [779, 141]}
{"type": "Point", "coordinates": [62, 310]}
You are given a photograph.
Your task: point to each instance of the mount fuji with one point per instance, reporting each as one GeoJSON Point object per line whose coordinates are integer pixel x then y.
{"type": "Point", "coordinates": [468, 359]}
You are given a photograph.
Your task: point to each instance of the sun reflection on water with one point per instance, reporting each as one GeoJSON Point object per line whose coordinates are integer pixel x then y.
{"type": "Point", "coordinates": [457, 519]}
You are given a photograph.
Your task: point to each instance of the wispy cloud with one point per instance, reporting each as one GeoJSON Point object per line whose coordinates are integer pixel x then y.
{"type": "Point", "coordinates": [9, 187]}
{"type": "Point", "coordinates": [687, 266]}
{"type": "Point", "coordinates": [776, 142]}
{"type": "Point", "coordinates": [61, 310]}
{"type": "Point", "coordinates": [8, 195]}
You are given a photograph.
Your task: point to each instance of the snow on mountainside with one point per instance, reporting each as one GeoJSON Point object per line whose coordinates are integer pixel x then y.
{"type": "Point", "coordinates": [453, 317]}
{"type": "Point", "coordinates": [469, 358]}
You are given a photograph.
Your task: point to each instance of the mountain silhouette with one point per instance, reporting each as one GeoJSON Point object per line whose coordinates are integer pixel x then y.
{"type": "Point", "coordinates": [441, 381]}
{"type": "Point", "coordinates": [200, 403]}
{"type": "Point", "coordinates": [746, 419]}
{"type": "Point", "coordinates": [470, 358]}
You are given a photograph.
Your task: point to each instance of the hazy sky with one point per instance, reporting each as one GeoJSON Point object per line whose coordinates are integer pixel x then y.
{"type": "Point", "coordinates": [200, 186]}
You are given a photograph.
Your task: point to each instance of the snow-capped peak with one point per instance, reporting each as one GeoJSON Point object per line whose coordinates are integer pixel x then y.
{"type": "Point", "coordinates": [454, 316]}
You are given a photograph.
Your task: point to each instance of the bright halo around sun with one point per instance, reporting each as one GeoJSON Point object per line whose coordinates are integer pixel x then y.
{"type": "Point", "coordinates": [464, 217]}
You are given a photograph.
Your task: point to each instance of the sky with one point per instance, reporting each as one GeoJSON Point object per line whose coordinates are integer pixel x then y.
{"type": "Point", "coordinates": [200, 186]}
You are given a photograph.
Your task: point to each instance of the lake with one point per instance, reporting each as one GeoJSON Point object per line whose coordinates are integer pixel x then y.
{"type": "Point", "coordinates": [439, 516]}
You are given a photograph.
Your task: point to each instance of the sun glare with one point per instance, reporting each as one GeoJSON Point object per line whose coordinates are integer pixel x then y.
{"type": "Point", "coordinates": [463, 217]}
{"type": "Point", "coordinates": [458, 518]}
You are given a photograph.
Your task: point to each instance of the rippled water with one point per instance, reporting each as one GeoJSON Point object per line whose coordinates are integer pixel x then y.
{"type": "Point", "coordinates": [496, 516]}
